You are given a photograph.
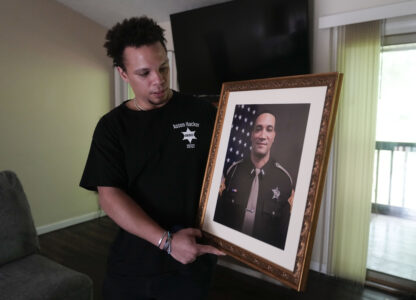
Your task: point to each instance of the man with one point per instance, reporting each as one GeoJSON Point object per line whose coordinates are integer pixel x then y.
{"type": "Point", "coordinates": [147, 161]}
{"type": "Point", "coordinates": [257, 193]}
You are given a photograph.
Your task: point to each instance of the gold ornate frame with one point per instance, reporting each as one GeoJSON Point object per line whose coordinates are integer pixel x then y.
{"type": "Point", "coordinates": [295, 278]}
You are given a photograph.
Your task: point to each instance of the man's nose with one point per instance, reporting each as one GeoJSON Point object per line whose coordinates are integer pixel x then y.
{"type": "Point", "coordinates": [262, 135]}
{"type": "Point", "coordinates": [158, 78]}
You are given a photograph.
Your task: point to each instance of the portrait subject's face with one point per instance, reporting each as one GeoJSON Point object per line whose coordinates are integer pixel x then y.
{"type": "Point", "coordinates": [147, 72]}
{"type": "Point", "coordinates": [263, 134]}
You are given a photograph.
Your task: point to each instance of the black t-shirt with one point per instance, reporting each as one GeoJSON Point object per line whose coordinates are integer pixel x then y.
{"type": "Point", "coordinates": [158, 158]}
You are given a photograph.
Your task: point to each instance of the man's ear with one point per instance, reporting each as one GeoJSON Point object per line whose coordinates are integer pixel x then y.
{"type": "Point", "coordinates": [123, 74]}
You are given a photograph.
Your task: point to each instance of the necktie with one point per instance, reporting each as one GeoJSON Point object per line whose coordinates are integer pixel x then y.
{"type": "Point", "coordinates": [250, 213]}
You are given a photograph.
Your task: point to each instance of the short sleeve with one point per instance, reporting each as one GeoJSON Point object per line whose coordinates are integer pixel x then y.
{"type": "Point", "coordinates": [105, 162]}
{"type": "Point", "coordinates": [211, 111]}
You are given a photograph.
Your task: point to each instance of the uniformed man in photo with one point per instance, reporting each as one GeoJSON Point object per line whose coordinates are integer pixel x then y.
{"type": "Point", "coordinates": [257, 192]}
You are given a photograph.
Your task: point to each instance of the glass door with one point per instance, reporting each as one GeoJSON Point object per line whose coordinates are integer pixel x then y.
{"type": "Point", "coordinates": [392, 241]}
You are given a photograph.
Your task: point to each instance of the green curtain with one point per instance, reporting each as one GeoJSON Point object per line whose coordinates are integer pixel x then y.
{"type": "Point", "coordinates": [358, 58]}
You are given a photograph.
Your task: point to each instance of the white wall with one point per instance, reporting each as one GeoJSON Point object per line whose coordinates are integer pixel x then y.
{"type": "Point", "coordinates": [331, 7]}
{"type": "Point", "coordinates": [168, 34]}
{"type": "Point", "coordinates": [56, 81]}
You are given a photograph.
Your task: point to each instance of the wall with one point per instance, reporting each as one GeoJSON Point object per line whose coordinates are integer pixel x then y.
{"type": "Point", "coordinates": [168, 34]}
{"type": "Point", "coordinates": [55, 83]}
{"type": "Point", "coordinates": [331, 7]}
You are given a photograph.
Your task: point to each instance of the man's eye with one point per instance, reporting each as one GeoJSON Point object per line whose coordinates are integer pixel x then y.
{"type": "Point", "coordinates": [144, 74]}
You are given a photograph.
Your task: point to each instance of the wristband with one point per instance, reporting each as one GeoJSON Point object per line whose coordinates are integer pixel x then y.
{"type": "Point", "coordinates": [161, 239]}
{"type": "Point", "coordinates": [168, 243]}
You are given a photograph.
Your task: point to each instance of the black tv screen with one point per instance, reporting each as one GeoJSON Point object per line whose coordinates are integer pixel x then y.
{"type": "Point", "coordinates": [240, 40]}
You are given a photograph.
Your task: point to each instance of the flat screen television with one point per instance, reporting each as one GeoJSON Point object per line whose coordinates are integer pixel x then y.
{"type": "Point", "coordinates": [240, 40]}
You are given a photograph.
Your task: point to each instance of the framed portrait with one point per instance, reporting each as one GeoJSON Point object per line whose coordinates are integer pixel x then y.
{"type": "Point", "coordinates": [266, 171]}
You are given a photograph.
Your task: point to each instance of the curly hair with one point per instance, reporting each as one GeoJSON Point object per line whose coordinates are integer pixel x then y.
{"type": "Point", "coordinates": [133, 32]}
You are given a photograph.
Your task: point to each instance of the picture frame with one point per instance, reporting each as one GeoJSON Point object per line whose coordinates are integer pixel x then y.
{"type": "Point", "coordinates": [303, 108]}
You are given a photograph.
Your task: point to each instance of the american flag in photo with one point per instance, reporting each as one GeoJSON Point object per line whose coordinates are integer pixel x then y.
{"type": "Point", "coordinates": [239, 144]}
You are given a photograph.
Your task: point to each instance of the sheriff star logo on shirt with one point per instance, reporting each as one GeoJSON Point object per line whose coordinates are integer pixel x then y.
{"type": "Point", "coordinates": [276, 193]}
{"type": "Point", "coordinates": [188, 135]}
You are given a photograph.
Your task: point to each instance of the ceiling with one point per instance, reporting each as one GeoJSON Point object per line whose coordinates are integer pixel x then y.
{"type": "Point", "coordinates": [109, 12]}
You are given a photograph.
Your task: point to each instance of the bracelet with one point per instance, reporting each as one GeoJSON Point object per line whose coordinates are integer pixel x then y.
{"type": "Point", "coordinates": [161, 239]}
{"type": "Point", "coordinates": [168, 243]}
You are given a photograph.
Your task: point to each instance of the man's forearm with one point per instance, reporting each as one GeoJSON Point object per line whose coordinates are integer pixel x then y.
{"type": "Point", "coordinates": [131, 217]}
{"type": "Point", "coordinates": [128, 214]}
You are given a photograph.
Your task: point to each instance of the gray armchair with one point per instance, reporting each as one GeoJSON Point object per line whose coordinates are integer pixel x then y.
{"type": "Point", "coordinates": [24, 273]}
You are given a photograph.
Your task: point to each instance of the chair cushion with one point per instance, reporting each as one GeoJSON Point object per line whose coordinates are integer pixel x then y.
{"type": "Point", "coordinates": [18, 236]}
{"type": "Point", "coordinates": [36, 277]}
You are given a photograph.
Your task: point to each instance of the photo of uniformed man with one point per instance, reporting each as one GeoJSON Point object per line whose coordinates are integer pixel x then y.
{"type": "Point", "coordinates": [257, 190]}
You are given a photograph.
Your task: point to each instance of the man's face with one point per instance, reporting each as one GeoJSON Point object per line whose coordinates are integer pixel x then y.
{"type": "Point", "coordinates": [263, 134]}
{"type": "Point", "coordinates": [147, 72]}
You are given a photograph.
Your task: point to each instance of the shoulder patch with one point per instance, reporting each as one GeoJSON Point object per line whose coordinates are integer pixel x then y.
{"type": "Point", "coordinates": [279, 166]}
{"type": "Point", "coordinates": [233, 165]}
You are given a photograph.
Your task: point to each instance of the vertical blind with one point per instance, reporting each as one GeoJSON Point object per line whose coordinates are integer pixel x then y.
{"type": "Point", "coordinates": [358, 58]}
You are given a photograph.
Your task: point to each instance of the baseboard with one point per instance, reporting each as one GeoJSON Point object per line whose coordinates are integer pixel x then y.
{"type": "Point", "coordinates": [69, 222]}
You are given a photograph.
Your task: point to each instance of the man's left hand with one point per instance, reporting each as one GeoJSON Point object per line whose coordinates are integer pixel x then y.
{"type": "Point", "coordinates": [185, 249]}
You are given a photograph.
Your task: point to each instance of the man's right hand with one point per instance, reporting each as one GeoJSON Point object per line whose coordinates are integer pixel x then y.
{"type": "Point", "coordinates": [185, 249]}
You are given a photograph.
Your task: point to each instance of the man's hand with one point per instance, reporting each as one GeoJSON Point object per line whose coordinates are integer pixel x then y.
{"type": "Point", "coordinates": [185, 249]}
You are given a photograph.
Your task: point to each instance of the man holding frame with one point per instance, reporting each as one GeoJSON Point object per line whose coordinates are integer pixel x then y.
{"type": "Point", "coordinates": [147, 161]}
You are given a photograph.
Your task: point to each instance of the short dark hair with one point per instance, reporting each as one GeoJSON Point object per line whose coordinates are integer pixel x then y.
{"type": "Point", "coordinates": [133, 32]}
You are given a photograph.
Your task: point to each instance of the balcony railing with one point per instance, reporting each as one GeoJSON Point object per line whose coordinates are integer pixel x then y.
{"type": "Point", "coordinates": [394, 188]}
